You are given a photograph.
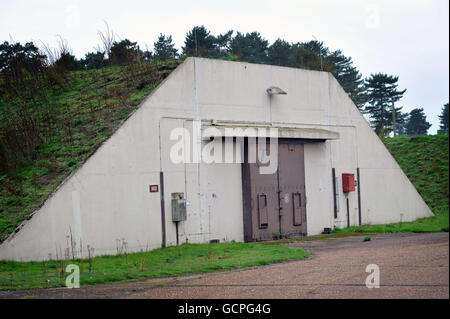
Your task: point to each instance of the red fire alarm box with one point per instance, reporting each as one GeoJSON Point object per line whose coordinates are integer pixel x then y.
{"type": "Point", "coordinates": [348, 182]}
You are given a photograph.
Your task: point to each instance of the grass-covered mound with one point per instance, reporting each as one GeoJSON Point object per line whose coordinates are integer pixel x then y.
{"type": "Point", "coordinates": [50, 124]}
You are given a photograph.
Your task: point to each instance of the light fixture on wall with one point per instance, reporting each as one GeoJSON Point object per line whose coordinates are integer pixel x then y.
{"type": "Point", "coordinates": [275, 90]}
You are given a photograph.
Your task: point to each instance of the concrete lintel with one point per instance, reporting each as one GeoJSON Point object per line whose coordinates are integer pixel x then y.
{"type": "Point", "coordinates": [210, 131]}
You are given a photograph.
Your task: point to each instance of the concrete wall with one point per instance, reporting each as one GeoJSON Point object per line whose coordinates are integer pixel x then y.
{"type": "Point", "coordinates": [236, 92]}
{"type": "Point", "coordinates": [106, 203]}
{"type": "Point", "coordinates": [386, 193]}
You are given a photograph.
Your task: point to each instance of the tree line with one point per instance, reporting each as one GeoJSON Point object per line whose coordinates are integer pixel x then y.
{"type": "Point", "coordinates": [376, 96]}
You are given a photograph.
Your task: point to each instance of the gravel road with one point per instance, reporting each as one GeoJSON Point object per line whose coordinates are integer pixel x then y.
{"type": "Point", "coordinates": [411, 266]}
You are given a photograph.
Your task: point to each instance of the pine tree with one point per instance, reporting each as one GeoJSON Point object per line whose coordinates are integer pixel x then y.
{"type": "Point", "coordinates": [279, 52]}
{"type": "Point", "coordinates": [18, 61]}
{"type": "Point", "coordinates": [68, 62]}
{"type": "Point", "coordinates": [381, 93]}
{"type": "Point", "coordinates": [123, 52]}
{"type": "Point", "coordinates": [199, 42]}
{"type": "Point", "coordinates": [250, 47]}
{"type": "Point", "coordinates": [443, 119]}
{"type": "Point", "coordinates": [94, 60]}
{"type": "Point", "coordinates": [417, 123]}
{"type": "Point", "coordinates": [311, 55]}
{"type": "Point", "coordinates": [164, 48]}
{"type": "Point", "coordinates": [222, 45]}
{"type": "Point", "coordinates": [349, 77]}
{"type": "Point", "coordinates": [401, 121]}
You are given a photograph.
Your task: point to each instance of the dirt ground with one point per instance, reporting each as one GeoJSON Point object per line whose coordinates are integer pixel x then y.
{"type": "Point", "coordinates": [411, 266]}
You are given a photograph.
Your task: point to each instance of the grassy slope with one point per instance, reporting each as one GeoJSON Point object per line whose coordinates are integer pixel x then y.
{"type": "Point", "coordinates": [424, 159]}
{"type": "Point", "coordinates": [93, 104]}
{"type": "Point", "coordinates": [170, 261]}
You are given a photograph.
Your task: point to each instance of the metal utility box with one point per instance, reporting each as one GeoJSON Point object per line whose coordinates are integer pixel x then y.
{"type": "Point", "coordinates": [348, 182]}
{"type": "Point", "coordinates": [178, 207]}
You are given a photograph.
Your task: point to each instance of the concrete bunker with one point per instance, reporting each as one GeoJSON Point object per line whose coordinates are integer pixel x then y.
{"type": "Point", "coordinates": [125, 192]}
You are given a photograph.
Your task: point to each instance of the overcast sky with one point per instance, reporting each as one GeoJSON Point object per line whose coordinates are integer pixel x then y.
{"type": "Point", "coordinates": [404, 38]}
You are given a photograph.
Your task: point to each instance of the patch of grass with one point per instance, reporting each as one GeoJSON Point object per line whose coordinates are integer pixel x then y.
{"type": "Point", "coordinates": [437, 223]}
{"type": "Point", "coordinates": [163, 262]}
{"type": "Point", "coordinates": [424, 159]}
{"type": "Point", "coordinates": [85, 113]}
{"type": "Point", "coordinates": [367, 238]}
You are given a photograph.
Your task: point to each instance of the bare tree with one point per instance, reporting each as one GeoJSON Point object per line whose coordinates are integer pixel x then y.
{"type": "Point", "coordinates": [63, 46]}
{"type": "Point", "coordinates": [50, 52]}
{"type": "Point", "coordinates": [54, 53]}
{"type": "Point", "coordinates": [107, 37]}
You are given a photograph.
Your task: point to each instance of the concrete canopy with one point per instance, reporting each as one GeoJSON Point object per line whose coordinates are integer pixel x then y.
{"type": "Point", "coordinates": [283, 132]}
{"type": "Point", "coordinates": [106, 204]}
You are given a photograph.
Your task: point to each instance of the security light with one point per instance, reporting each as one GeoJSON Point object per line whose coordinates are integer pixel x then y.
{"type": "Point", "coordinates": [275, 90]}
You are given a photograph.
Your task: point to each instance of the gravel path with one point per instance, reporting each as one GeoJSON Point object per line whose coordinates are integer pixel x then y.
{"type": "Point", "coordinates": [411, 266]}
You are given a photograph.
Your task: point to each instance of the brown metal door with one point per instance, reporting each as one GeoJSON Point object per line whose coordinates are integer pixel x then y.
{"type": "Point", "coordinates": [277, 201]}
{"type": "Point", "coordinates": [264, 202]}
{"type": "Point", "coordinates": [291, 170]}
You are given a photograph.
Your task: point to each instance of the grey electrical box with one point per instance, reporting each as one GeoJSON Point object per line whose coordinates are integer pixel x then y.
{"type": "Point", "coordinates": [178, 207]}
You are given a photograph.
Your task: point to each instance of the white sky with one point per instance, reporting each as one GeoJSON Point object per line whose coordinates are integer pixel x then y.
{"type": "Point", "coordinates": [406, 38]}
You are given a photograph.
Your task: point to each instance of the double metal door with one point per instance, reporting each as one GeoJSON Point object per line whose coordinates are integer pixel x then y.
{"type": "Point", "coordinates": [278, 200]}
